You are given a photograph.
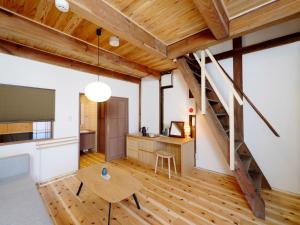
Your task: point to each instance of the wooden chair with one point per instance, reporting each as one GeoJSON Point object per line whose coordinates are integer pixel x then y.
{"type": "Point", "coordinates": [165, 155]}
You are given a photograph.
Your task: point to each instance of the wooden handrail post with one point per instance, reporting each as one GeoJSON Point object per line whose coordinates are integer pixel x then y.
{"type": "Point", "coordinates": [231, 130]}
{"type": "Point", "coordinates": [230, 85]}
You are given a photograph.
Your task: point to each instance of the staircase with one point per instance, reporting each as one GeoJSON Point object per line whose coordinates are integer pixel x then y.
{"type": "Point", "coordinates": [247, 172]}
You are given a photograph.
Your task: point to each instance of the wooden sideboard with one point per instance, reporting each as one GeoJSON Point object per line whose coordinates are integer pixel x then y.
{"type": "Point", "coordinates": [142, 149]}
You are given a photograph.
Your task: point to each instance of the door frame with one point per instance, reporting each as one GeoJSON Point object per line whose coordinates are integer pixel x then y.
{"type": "Point", "coordinates": [79, 106]}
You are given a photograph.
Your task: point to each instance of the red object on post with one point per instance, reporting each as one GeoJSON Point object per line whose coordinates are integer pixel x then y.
{"type": "Point", "coordinates": [191, 110]}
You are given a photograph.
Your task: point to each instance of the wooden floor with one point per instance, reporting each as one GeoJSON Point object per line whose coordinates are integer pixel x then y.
{"type": "Point", "coordinates": [202, 198]}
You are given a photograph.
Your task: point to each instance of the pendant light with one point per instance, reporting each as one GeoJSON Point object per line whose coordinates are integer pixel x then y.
{"type": "Point", "coordinates": [97, 91]}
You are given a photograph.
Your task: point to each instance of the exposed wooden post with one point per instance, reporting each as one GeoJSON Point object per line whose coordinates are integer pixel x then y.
{"type": "Point", "coordinates": [203, 83]}
{"type": "Point", "coordinates": [238, 80]}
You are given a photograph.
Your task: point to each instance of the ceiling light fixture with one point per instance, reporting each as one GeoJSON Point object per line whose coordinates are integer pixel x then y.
{"type": "Point", "coordinates": [114, 41]}
{"type": "Point", "coordinates": [62, 5]}
{"type": "Point", "coordinates": [97, 91]}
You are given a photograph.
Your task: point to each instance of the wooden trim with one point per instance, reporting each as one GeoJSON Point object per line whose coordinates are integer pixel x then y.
{"type": "Point", "coordinates": [31, 53]}
{"type": "Point", "coordinates": [214, 14]}
{"type": "Point", "coordinates": [268, 15]}
{"type": "Point", "coordinates": [238, 81]}
{"type": "Point", "coordinates": [104, 15]}
{"type": "Point", "coordinates": [291, 38]}
{"type": "Point", "coordinates": [21, 30]}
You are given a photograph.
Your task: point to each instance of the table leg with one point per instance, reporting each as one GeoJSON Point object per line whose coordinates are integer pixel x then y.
{"type": "Point", "coordinates": [136, 201]}
{"type": "Point", "coordinates": [79, 189]}
{"type": "Point", "coordinates": [109, 208]}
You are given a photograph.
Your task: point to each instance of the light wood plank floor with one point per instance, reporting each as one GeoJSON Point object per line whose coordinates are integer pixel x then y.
{"type": "Point", "coordinates": [202, 198]}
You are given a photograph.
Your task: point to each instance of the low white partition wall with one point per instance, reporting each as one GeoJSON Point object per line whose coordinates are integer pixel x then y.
{"type": "Point", "coordinates": [49, 159]}
{"type": "Point", "coordinates": [57, 157]}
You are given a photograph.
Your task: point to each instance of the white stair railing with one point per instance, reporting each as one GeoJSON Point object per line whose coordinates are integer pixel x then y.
{"type": "Point", "coordinates": [232, 95]}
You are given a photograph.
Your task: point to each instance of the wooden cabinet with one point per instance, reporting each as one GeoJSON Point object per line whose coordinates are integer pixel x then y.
{"type": "Point", "coordinates": [87, 140]}
{"type": "Point", "coordinates": [142, 149]}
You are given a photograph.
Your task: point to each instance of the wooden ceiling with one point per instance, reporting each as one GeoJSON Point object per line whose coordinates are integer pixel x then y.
{"type": "Point", "coordinates": [162, 27]}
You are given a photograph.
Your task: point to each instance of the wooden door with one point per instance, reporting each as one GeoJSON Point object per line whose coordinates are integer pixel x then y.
{"type": "Point", "coordinates": [116, 128]}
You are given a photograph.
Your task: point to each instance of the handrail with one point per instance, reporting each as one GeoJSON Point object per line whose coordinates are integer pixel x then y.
{"type": "Point", "coordinates": [236, 95]}
{"type": "Point", "coordinates": [209, 78]}
{"type": "Point", "coordinates": [250, 102]}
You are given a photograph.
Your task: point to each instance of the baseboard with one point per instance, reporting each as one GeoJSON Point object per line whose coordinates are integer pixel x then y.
{"type": "Point", "coordinates": [55, 179]}
{"type": "Point", "coordinates": [215, 172]}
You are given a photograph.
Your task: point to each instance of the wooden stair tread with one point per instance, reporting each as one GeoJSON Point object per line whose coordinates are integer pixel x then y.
{"type": "Point", "coordinates": [246, 160]}
{"type": "Point", "coordinates": [221, 114]}
{"type": "Point", "coordinates": [213, 101]}
{"type": "Point", "coordinates": [237, 145]}
{"type": "Point", "coordinates": [256, 178]}
{"type": "Point", "coordinates": [209, 89]}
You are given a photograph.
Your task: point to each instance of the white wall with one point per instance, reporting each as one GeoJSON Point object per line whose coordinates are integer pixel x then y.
{"type": "Point", "coordinates": [272, 81]}
{"type": "Point", "coordinates": [68, 84]}
{"type": "Point", "coordinates": [150, 104]}
{"type": "Point", "coordinates": [176, 101]}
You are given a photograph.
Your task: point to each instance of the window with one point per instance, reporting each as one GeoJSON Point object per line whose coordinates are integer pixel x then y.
{"type": "Point", "coordinates": [22, 131]}
{"type": "Point", "coordinates": [42, 130]}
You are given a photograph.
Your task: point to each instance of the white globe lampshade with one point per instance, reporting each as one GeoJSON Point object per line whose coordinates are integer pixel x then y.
{"type": "Point", "coordinates": [97, 92]}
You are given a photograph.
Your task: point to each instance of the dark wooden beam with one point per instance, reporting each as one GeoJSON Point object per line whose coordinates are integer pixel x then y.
{"type": "Point", "coordinates": [30, 53]}
{"type": "Point", "coordinates": [274, 13]}
{"type": "Point", "coordinates": [104, 15]}
{"type": "Point", "coordinates": [258, 47]}
{"type": "Point", "coordinates": [214, 15]}
{"type": "Point", "coordinates": [21, 30]}
{"type": "Point", "coordinates": [238, 81]}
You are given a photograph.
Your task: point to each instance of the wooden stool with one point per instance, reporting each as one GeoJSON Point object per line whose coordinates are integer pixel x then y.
{"type": "Point", "coordinates": [165, 155]}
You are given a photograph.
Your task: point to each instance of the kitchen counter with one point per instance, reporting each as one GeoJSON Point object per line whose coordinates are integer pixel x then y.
{"type": "Point", "coordinates": [143, 150]}
{"type": "Point", "coordinates": [87, 131]}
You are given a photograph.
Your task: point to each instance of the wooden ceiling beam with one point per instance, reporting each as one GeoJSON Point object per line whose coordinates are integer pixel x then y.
{"type": "Point", "coordinates": [104, 15]}
{"type": "Point", "coordinates": [273, 13]}
{"type": "Point", "coordinates": [21, 30]}
{"type": "Point", "coordinates": [268, 15]}
{"type": "Point", "coordinates": [214, 15]}
{"type": "Point", "coordinates": [30, 53]}
{"type": "Point", "coordinates": [201, 40]}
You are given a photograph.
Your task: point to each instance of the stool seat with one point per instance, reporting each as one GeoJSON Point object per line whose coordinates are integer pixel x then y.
{"type": "Point", "coordinates": [165, 155]}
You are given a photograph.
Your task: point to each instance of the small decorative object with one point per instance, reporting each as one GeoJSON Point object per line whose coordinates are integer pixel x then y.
{"type": "Point", "coordinates": [177, 129]}
{"type": "Point", "coordinates": [166, 132]}
{"type": "Point", "coordinates": [187, 131]}
{"type": "Point", "coordinates": [191, 110]}
{"type": "Point", "coordinates": [104, 174]}
{"type": "Point", "coordinates": [144, 131]}
{"type": "Point", "coordinates": [104, 171]}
